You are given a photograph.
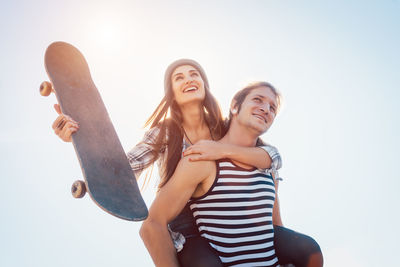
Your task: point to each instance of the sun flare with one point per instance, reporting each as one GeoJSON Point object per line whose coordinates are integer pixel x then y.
{"type": "Point", "coordinates": [106, 35]}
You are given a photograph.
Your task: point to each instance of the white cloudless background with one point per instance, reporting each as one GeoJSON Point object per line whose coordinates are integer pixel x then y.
{"type": "Point", "coordinates": [336, 64]}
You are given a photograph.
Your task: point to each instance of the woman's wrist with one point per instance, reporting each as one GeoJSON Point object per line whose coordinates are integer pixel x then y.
{"type": "Point", "coordinates": [227, 151]}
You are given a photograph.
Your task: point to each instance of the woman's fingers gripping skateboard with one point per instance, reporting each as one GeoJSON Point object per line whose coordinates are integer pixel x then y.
{"type": "Point", "coordinates": [64, 126]}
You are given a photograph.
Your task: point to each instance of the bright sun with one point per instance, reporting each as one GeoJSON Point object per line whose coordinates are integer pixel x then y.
{"type": "Point", "coordinates": [107, 34]}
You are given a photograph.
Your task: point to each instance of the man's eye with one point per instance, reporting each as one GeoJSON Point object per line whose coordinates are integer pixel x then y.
{"type": "Point", "coordinates": [257, 99]}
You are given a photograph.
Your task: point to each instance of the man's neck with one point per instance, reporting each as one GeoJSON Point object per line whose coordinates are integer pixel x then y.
{"type": "Point", "coordinates": [238, 135]}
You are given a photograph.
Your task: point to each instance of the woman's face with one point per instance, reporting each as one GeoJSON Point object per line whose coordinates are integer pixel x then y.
{"type": "Point", "coordinates": [187, 85]}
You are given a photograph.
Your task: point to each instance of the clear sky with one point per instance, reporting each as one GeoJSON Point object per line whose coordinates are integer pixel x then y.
{"type": "Point", "coordinates": [335, 62]}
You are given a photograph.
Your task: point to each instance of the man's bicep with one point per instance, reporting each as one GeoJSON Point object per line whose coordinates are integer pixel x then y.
{"type": "Point", "coordinates": [174, 195]}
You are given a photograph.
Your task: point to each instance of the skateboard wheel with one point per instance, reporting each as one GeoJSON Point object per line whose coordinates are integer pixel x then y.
{"type": "Point", "coordinates": [46, 88]}
{"type": "Point", "coordinates": [78, 189]}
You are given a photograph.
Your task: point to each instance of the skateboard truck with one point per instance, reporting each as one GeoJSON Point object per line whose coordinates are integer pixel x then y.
{"type": "Point", "coordinates": [78, 188]}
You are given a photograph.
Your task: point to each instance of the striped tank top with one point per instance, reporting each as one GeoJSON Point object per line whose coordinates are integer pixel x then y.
{"type": "Point", "coordinates": [235, 216]}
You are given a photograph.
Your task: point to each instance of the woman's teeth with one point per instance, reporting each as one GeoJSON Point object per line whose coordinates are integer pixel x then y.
{"type": "Point", "coordinates": [190, 89]}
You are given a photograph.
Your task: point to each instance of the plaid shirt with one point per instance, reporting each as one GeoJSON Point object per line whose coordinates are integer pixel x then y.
{"type": "Point", "coordinates": [141, 156]}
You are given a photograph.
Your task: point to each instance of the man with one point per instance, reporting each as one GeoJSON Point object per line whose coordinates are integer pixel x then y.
{"type": "Point", "coordinates": [231, 202]}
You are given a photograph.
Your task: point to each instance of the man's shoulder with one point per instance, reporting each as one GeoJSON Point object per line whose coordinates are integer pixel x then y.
{"type": "Point", "coordinates": [196, 165]}
{"type": "Point", "coordinates": [196, 169]}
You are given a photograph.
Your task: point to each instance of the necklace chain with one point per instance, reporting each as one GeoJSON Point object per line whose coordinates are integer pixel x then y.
{"type": "Point", "coordinates": [187, 137]}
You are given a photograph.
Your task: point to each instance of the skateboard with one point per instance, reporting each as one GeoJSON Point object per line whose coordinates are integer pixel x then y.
{"type": "Point", "coordinates": [109, 179]}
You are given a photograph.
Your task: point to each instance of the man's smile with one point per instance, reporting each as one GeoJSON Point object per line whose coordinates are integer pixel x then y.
{"type": "Point", "coordinates": [261, 117]}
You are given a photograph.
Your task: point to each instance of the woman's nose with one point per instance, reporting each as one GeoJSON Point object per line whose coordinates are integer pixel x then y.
{"type": "Point", "coordinates": [188, 79]}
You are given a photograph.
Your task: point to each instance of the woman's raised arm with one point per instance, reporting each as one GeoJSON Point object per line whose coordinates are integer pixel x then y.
{"type": "Point", "coordinates": [262, 157]}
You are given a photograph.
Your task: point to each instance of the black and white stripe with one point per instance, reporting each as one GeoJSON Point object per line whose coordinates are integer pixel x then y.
{"type": "Point", "coordinates": [235, 216]}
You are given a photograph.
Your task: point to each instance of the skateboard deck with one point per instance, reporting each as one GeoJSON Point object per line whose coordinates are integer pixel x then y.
{"type": "Point", "coordinates": [109, 179]}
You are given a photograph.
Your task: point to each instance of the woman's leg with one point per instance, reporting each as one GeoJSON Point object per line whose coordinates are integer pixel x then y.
{"type": "Point", "coordinates": [296, 248]}
{"type": "Point", "coordinates": [197, 252]}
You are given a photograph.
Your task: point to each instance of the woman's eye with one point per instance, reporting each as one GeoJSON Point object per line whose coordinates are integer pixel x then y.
{"type": "Point", "coordinates": [195, 74]}
{"type": "Point", "coordinates": [178, 78]}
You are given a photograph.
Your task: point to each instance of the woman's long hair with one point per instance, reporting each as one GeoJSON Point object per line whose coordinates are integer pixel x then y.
{"type": "Point", "coordinates": [170, 136]}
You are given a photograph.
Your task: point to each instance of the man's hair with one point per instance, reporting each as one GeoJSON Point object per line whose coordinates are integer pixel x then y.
{"type": "Point", "coordinates": [241, 95]}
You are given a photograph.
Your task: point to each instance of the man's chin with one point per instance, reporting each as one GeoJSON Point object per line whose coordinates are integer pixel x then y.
{"type": "Point", "coordinates": [260, 129]}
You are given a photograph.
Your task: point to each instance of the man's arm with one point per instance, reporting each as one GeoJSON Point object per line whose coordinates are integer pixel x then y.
{"type": "Point", "coordinates": [276, 213]}
{"type": "Point", "coordinates": [169, 201]}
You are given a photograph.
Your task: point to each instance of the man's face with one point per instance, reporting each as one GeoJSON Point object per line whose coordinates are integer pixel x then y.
{"type": "Point", "coordinates": [258, 109]}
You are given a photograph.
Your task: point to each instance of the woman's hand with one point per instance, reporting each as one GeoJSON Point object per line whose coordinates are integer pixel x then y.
{"type": "Point", "coordinates": [64, 126]}
{"type": "Point", "coordinates": [211, 150]}
{"type": "Point", "coordinates": [206, 150]}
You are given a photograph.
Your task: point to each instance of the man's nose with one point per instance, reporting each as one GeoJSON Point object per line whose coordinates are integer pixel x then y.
{"type": "Point", "coordinates": [265, 107]}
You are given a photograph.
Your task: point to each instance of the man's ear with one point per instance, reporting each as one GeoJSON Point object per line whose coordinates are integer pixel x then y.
{"type": "Point", "coordinates": [233, 108]}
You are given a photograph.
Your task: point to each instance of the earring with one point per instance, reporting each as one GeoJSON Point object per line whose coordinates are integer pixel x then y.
{"type": "Point", "coordinates": [234, 111]}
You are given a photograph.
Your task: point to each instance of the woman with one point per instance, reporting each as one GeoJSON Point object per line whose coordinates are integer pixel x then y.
{"type": "Point", "coordinates": [194, 116]}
